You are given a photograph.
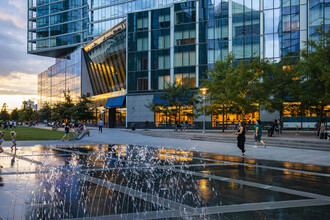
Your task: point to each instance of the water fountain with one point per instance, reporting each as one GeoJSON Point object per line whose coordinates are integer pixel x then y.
{"type": "Point", "coordinates": [138, 182]}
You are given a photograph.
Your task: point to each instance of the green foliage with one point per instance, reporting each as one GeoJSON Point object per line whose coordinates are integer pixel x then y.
{"type": "Point", "coordinates": [279, 85]}
{"type": "Point", "coordinates": [26, 113]}
{"type": "Point", "coordinates": [14, 115]}
{"type": "Point", "coordinates": [234, 89]}
{"type": "Point", "coordinates": [63, 110]}
{"type": "Point", "coordinates": [4, 115]}
{"type": "Point", "coordinates": [67, 110]}
{"type": "Point", "coordinates": [45, 112]}
{"type": "Point", "coordinates": [81, 110]}
{"type": "Point", "coordinates": [314, 74]}
{"type": "Point", "coordinates": [176, 97]}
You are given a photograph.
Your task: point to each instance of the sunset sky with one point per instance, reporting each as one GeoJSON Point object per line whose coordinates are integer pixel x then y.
{"type": "Point", "coordinates": [18, 70]}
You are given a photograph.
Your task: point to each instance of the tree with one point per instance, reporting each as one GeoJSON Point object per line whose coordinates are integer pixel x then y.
{"type": "Point", "coordinates": [233, 88]}
{"type": "Point", "coordinates": [4, 115]}
{"type": "Point", "coordinates": [279, 85]}
{"type": "Point", "coordinates": [63, 110]}
{"type": "Point", "coordinates": [81, 111]}
{"type": "Point", "coordinates": [219, 102]}
{"type": "Point", "coordinates": [14, 115]}
{"type": "Point", "coordinates": [25, 114]}
{"type": "Point", "coordinates": [45, 112]}
{"type": "Point", "coordinates": [174, 99]}
{"type": "Point", "coordinates": [67, 106]}
{"type": "Point", "coordinates": [314, 74]}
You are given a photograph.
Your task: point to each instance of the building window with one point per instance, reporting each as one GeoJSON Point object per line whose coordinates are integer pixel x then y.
{"type": "Point", "coordinates": [142, 84]}
{"type": "Point", "coordinates": [225, 119]}
{"type": "Point", "coordinates": [183, 117]}
{"type": "Point", "coordinates": [185, 58]}
{"type": "Point", "coordinates": [142, 24]}
{"type": "Point", "coordinates": [185, 79]}
{"type": "Point", "coordinates": [185, 37]}
{"type": "Point", "coordinates": [162, 81]}
{"type": "Point", "coordinates": [164, 62]}
{"type": "Point", "coordinates": [163, 42]}
{"type": "Point", "coordinates": [142, 44]}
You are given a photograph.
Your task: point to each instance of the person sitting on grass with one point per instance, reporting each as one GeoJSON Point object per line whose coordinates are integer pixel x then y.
{"type": "Point", "coordinates": [13, 135]}
{"type": "Point", "coordinates": [2, 134]}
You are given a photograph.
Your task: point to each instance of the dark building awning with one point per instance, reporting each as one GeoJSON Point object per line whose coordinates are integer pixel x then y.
{"type": "Point", "coordinates": [115, 102]}
{"type": "Point", "coordinates": [159, 101]}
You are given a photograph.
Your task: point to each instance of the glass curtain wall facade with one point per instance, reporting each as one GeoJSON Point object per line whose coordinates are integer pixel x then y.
{"type": "Point", "coordinates": [105, 14]}
{"type": "Point", "coordinates": [106, 61]}
{"type": "Point", "coordinates": [55, 27]}
{"type": "Point", "coordinates": [105, 58]}
{"type": "Point", "coordinates": [184, 40]}
{"type": "Point", "coordinates": [64, 76]}
{"type": "Point", "coordinates": [319, 17]}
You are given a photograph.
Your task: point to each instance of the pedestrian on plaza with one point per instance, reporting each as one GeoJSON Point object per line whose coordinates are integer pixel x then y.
{"type": "Point", "coordinates": [100, 125]}
{"type": "Point", "coordinates": [258, 134]}
{"type": "Point", "coordinates": [5, 125]}
{"type": "Point", "coordinates": [273, 127]}
{"type": "Point", "coordinates": [2, 134]}
{"type": "Point", "coordinates": [241, 136]}
{"type": "Point", "coordinates": [13, 135]}
{"type": "Point", "coordinates": [323, 129]}
{"type": "Point", "coordinates": [66, 132]}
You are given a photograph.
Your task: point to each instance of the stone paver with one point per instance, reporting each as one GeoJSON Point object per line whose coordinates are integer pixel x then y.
{"type": "Point", "coordinates": [122, 136]}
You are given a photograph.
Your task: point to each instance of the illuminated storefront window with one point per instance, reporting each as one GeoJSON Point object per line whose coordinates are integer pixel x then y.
{"type": "Point", "coordinates": [164, 118]}
{"type": "Point", "coordinates": [227, 119]}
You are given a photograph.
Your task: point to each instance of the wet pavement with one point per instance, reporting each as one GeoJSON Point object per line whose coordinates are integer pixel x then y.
{"type": "Point", "coordinates": [138, 182]}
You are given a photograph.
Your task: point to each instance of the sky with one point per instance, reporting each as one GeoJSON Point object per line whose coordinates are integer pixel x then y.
{"type": "Point", "coordinates": [18, 70]}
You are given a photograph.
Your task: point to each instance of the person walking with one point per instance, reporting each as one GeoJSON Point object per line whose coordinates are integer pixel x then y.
{"type": "Point", "coordinates": [323, 129]}
{"type": "Point", "coordinates": [13, 135]}
{"type": "Point", "coordinates": [10, 124]}
{"type": "Point", "coordinates": [241, 136]}
{"type": "Point", "coordinates": [258, 134]}
{"type": "Point", "coordinates": [2, 134]}
{"type": "Point", "coordinates": [66, 132]}
{"type": "Point", "coordinates": [272, 129]}
{"type": "Point", "coordinates": [15, 124]}
{"type": "Point", "coordinates": [100, 125]}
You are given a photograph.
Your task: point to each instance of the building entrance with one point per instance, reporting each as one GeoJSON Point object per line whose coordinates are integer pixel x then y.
{"type": "Point", "coordinates": [117, 117]}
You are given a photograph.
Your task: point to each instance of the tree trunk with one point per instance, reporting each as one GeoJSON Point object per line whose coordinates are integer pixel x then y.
{"type": "Point", "coordinates": [281, 121]}
{"type": "Point", "coordinates": [320, 121]}
{"type": "Point", "coordinates": [301, 117]}
{"type": "Point", "coordinates": [223, 118]}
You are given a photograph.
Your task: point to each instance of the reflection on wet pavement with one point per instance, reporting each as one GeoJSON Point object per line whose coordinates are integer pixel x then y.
{"type": "Point", "coordinates": [124, 181]}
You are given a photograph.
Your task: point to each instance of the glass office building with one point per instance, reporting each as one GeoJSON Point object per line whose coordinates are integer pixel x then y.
{"type": "Point", "coordinates": [56, 28]}
{"type": "Point", "coordinates": [179, 43]}
{"type": "Point", "coordinates": [105, 60]}
{"type": "Point", "coordinates": [63, 76]}
{"type": "Point", "coordinates": [173, 41]}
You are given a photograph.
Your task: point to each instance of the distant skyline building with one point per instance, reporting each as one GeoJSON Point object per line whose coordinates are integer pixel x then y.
{"type": "Point", "coordinates": [129, 50]}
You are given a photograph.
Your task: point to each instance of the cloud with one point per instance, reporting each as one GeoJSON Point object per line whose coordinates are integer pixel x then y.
{"type": "Point", "coordinates": [19, 84]}
{"type": "Point", "coordinates": [15, 12]}
{"type": "Point", "coordinates": [20, 4]}
{"type": "Point", "coordinates": [13, 44]}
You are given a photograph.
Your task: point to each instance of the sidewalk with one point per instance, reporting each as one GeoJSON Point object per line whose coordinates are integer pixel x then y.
{"type": "Point", "coordinates": [122, 136]}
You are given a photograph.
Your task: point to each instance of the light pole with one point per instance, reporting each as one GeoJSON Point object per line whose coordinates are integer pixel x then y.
{"type": "Point", "coordinates": [203, 91]}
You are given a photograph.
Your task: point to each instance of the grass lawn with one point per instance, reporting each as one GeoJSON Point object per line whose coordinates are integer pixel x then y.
{"type": "Point", "coordinates": [29, 134]}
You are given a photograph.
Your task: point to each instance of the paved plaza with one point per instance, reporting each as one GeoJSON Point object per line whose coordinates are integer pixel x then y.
{"type": "Point", "coordinates": [121, 174]}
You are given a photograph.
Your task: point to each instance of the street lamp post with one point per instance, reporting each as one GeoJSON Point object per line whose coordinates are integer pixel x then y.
{"type": "Point", "coordinates": [203, 91]}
